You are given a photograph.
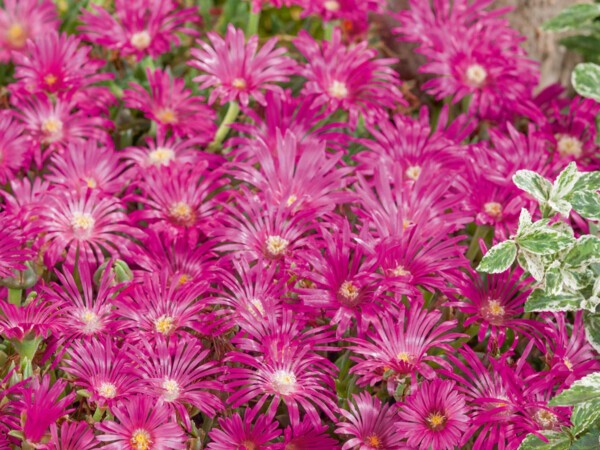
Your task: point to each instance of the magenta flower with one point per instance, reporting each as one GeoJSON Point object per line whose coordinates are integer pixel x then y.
{"type": "Point", "coordinates": [370, 425]}
{"type": "Point", "coordinates": [40, 405]}
{"type": "Point", "coordinates": [13, 148]}
{"type": "Point", "coordinates": [176, 372]}
{"type": "Point", "coordinates": [58, 64]}
{"type": "Point", "coordinates": [172, 106]}
{"type": "Point", "coordinates": [252, 432]}
{"type": "Point", "coordinates": [435, 416]}
{"type": "Point", "coordinates": [103, 369]}
{"type": "Point", "coordinates": [139, 28]}
{"type": "Point", "coordinates": [143, 425]}
{"type": "Point", "coordinates": [307, 435]}
{"type": "Point", "coordinates": [399, 346]}
{"type": "Point", "coordinates": [72, 436]}
{"type": "Point", "coordinates": [24, 203]}
{"type": "Point", "coordinates": [13, 253]}
{"type": "Point", "coordinates": [88, 165]}
{"type": "Point", "coordinates": [86, 224]}
{"type": "Point", "coordinates": [239, 71]}
{"type": "Point", "coordinates": [32, 322]}
{"type": "Point", "coordinates": [21, 20]}
{"type": "Point", "coordinates": [349, 78]}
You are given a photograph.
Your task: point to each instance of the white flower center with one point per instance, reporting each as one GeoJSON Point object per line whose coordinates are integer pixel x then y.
{"type": "Point", "coordinates": [167, 116]}
{"type": "Point", "coordinates": [141, 40]}
{"type": "Point", "coordinates": [493, 209]}
{"type": "Point", "coordinates": [239, 83]}
{"type": "Point", "coordinates": [400, 271]}
{"type": "Point", "coordinates": [348, 290]}
{"type": "Point", "coordinates": [107, 390]}
{"type": "Point", "coordinates": [338, 89]}
{"type": "Point", "coordinates": [140, 440]}
{"type": "Point", "coordinates": [545, 418]}
{"type": "Point", "coordinates": [283, 382]}
{"type": "Point", "coordinates": [164, 324]}
{"type": "Point", "coordinates": [569, 145]}
{"type": "Point", "coordinates": [171, 388]}
{"type": "Point", "coordinates": [182, 213]}
{"type": "Point", "coordinates": [52, 127]}
{"type": "Point", "coordinates": [413, 172]}
{"type": "Point", "coordinates": [331, 5]}
{"type": "Point", "coordinates": [291, 199]}
{"type": "Point", "coordinates": [161, 156]}
{"type": "Point", "coordinates": [276, 245]}
{"type": "Point", "coordinates": [476, 75]}
{"type": "Point", "coordinates": [91, 321]}
{"type": "Point", "coordinates": [82, 221]}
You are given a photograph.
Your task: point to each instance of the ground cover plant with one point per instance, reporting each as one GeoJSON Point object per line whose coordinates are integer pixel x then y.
{"type": "Point", "coordinates": [232, 225]}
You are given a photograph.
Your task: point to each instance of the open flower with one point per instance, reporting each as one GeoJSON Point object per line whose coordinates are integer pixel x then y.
{"type": "Point", "coordinates": [13, 147]}
{"type": "Point", "coordinates": [72, 436]}
{"type": "Point", "coordinates": [251, 431]}
{"type": "Point", "coordinates": [239, 71]}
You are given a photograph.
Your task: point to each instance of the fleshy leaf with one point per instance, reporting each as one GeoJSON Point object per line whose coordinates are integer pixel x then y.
{"type": "Point", "coordinates": [572, 17]}
{"type": "Point", "coordinates": [534, 184]}
{"type": "Point", "coordinates": [545, 241]}
{"type": "Point", "coordinates": [583, 390]}
{"type": "Point", "coordinates": [586, 203]}
{"type": "Point", "coordinates": [566, 301]}
{"type": "Point", "coordinates": [498, 258]}
{"type": "Point", "coordinates": [586, 80]}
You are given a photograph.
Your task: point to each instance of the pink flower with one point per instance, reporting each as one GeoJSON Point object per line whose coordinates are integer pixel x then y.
{"type": "Point", "coordinates": [40, 405]}
{"type": "Point", "coordinates": [21, 20]}
{"type": "Point", "coordinates": [370, 424]}
{"type": "Point", "coordinates": [172, 106]}
{"type": "Point", "coordinates": [57, 64]}
{"type": "Point", "coordinates": [103, 369]}
{"type": "Point", "coordinates": [143, 424]}
{"type": "Point", "coordinates": [87, 165]}
{"type": "Point", "coordinates": [253, 431]}
{"type": "Point", "coordinates": [139, 28]}
{"type": "Point", "coordinates": [13, 147]}
{"type": "Point", "coordinates": [72, 436]}
{"type": "Point", "coordinates": [24, 203]}
{"type": "Point", "coordinates": [29, 323]}
{"type": "Point", "coordinates": [307, 435]}
{"type": "Point", "coordinates": [176, 372]}
{"type": "Point", "coordinates": [237, 70]}
{"type": "Point", "coordinates": [86, 224]}
{"type": "Point", "coordinates": [13, 253]}
{"type": "Point", "coordinates": [435, 416]}
{"type": "Point", "coordinates": [349, 78]}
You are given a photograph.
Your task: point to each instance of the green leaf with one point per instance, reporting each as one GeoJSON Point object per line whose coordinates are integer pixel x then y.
{"type": "Point", "coordinates": [586, 203]}
{"type": "Point", "coordinates": [584, 415]}
{"type": "Point", "coordinates": [592, 330]}
{"type": "Point", "coordinates": [588, 181]}
{"type": "Point", "coordinates": [565, 181]}
{"type": "Point", "coordinates": [554, 279]}
{"type": "Point", "coordinates": [589, 441]}
{"type": "Point", "coordinates": [588, 45]}
{"type": "Point", "coordinates": [583, 390]}
{"type": "Point", "coordinates": [524, 221]}
{"type": "Point", "coordinates": [545, 241]}
{"type": "Point", "coordinates": [585, 251]}
{"type": "Point", "coordinates": [556, 441]}
{"type": "Point", "coordinates": [498, 258]}
{"type": "Point", "coordinates": [534, 184]}
{"type": "Point", "coordinates": [586, 80]}
{"type": "Point", "coordinates": [565, 301]}
{"type": "Point", "coordinates": [572, 17]}
{"type": "Point", "coordinates": [532, 264]}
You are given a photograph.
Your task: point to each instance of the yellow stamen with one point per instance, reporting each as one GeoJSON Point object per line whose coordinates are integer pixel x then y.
{"type": "Point", "coordinates": [493, 209]}
{"type": "Point", "coordinates": [283, 382]}
{"type": "Point", "coordinates": [50, 79]}
{"type": "Point", "coordinates": [276, 245]}
{"type": "Point", "coordinates": [164, 324]}
{"type": "Point", "coordinates": [107, 390]}
{"type": "Point", "coordinates": [161, 156]}
{"type": "Point", "coordinates": [374, 442]}
{"type": "Point", "coordinates": [436, 420]}
{"type": "Point", "coordinates": [569, 145]}
{"type": "Point", "coordinates": [239, 83]}
{"type": "Point", "coordinates": [16, 35]}
{"type": "Point", "coordinates": [404, 357]}
{"type": "Point", "coordinates": [82, 221]}
{"type": "Point", "coordinates": [348, 290]}
{"type": "Point", "coordinates": [167, 116]}
{"type": "Point", "coordinates": [413, 172]}
{"type": "Point", "coordinates": [140, 440]}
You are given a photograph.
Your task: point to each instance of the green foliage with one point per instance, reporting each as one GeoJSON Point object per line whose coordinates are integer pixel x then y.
{"type": "Point", "coordinates": [586, 80]}
{"type": "Point", "coordinates": [573, 17]}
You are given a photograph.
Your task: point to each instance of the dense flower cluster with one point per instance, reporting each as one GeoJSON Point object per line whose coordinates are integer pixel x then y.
{"type": "Point", "coordinates": [308, 282]}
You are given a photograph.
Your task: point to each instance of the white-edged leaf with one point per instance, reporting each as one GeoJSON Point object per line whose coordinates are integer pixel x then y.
{"type": "Point", "coordinates": [562, 207]}
{"type": "Point", "coordinates": [584, 415]}
{"type": "Point", "coordinates": [524, 221]}
{"type": "Point", "coordinates": [586, 203]}
{"type": "Point", "coordinates": [588, 181]}
{"type": "Point", "coordinates": [565, 301]}
{"type": "Point", "coordinates": [565, 182]}
{"type": "Point", "coordinates": [533, 264]}
{"type": "Point", "coordinates": [554, 279]}
{"type": "Point", "coordinates": [572, 17]}
{"type": "Point", "coordinates": [585, 251]}
{"type": "Point", "coordinates": [545, 241]}
{"type": "Point", "coordinates": [583, 390]}
{"type": "Point", "coordinates": [589, 441]}
{"type": "Point", "coordinates": [555, 441]}
{"type": "Point", "coordinates": [498, 258]}
{"type": "Point", "coordinates": [576, 279]}
{"type": "Point", "coordinates": [592, 330]}
{"type": "Point", "coordinates": [534, 184]}
{"type": "Point", "coordinates": [586, 80]}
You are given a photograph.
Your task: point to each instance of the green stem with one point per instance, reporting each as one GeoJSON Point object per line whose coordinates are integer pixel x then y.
{"type": "Point", "coordinates": [328, 28]}
{"type": "Point", "coordinates": [474, 249]}
{"type": "Point", "coordinates": [253, 20]}
{"type": "Point", "coordinates": [98, 414]}
{"type": "Point", "coordinates": [14, 296]}
{"type": "Point", "coordinates": [230, 116]}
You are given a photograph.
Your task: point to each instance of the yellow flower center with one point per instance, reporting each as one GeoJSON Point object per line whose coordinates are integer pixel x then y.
{"type": "Point", "coordinates": [476, 75]}
{"type": "Point", "coordinates": [436, 420]}
{"type": "Point", "coordinates": [82, 221]}
{"type": "Point", "coordinates": [16, 35]}
{"type": "Point", "coordinates": [167, 116]}
{"type": "Point", "coordinates": [183, 279]}
{"type": "Point", "coordinates": [239, 83]}
{"type": "Point", "coordinates": [141, 40]}
{"type": "Point", "coordinates": [283, 382]}
{"type": "Point", "coordinates": [50, 79]}
{"type": "Point", "coordinates": [107, 390]}
{"type": "Point", "coordinates": [493, 209]}
{"type": "Point", "coordinates": [413, 172]}
{"type": "Point", "coordinates": [164, 324]}
{"type": "Point", "coordinates": [404, 357]}
{"type": "Point", "coordinates": [546, 419]}
{"type": "Point", "coordinates": [406, 223]}
{"type": "Point", "coordinates": [140, 440]}
{"type": "Point", "coordinates": [400, 271]}
{"type": "Point", "coordinates": [373, 441]}
{"type": "Point", "coordinates": [569, 145]}
{"type": "Point", "coordinates": [249, 445]}
{"type": "Point", "coordinates": [495, 308]}
{"type": "Point", "coordinates": [276, 245]}
{"type": "Point", "coordinates": [348, 290]}
{"type": "Point", "coordinates": [52, 128]}
{"type": "Point", "coordinates": [161, 156]}
{"type": "Point", "coordinates": [338, 89]}
{"type": "Point", "coordinates": [172, 390]}
{"type": "Point", "coordinates": [568, 363]}
{"type": "Point", "coordinates": [182, 213]}
{"type": "Point", "coordinates": [291, 199]}
{"type": "Point", "coordinates": [91, 183]}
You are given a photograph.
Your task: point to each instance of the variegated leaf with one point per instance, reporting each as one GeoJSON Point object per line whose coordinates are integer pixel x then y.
{"type": "Point", "coordinates": [592, 330]}
{"type": "Point", "coordinates": [565, 182]}
{"type": "Point", "coordinates": [585, 251]}
{"type": "Point", "coordinates": [554, 279]}
{"type": "Point", "coordinates": [586, 203]}
{"type": "Point", "coordinates": [533, 264]}
{"type": "Point", "coordinates": [555, 441]}
{"type": "Point", "coordinates": [584, 415]}
{"type": "Point", "coordinates": [586, 80]}
{"type": "Point", "coordinates": [583, 390]}
{"type": "Point", "coordinates": [565, 301]}
{"type": "Point", "coordinates": [498, 258]}
{"type": "Point", "coordinates": [545, 241]}
{"type": "Point", "coordinates": [534, 184]}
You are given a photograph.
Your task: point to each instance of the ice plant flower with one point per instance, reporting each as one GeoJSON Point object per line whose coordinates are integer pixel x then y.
{"type": "Point", "coordinates": [370, 424]}
{"type": "Point", "coordinates": [306, 435]}
{"type": "Point", "coordinates": [142, 425]}
{"type": "Point", "coordinates": [172, 106]}
{"type": "Point", "coordinates": [21, 20]}
{"type": "Point", "coordinates": [103, 369]}
{"type": "Point", "coordinates": [349, 78]}
{"type": "Point", "coordinates": [177, 373]}
{"type": "Point", "coordinates": [237, 69]}
{"type": "Point", "coordinates": [435, 416]}
{"type": "Point", "coordinates": [138, 28]}
{"type": "Point", "coordinates": [84, 223]}
{"type": "Point", "coordinates": [72, 436]}
{"type": "Point", "coordinates": [253, 431]}
{"type": "Point", "coordinates": [13, 147]}
{"type": "Point", "coordinates": [13, 253]}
